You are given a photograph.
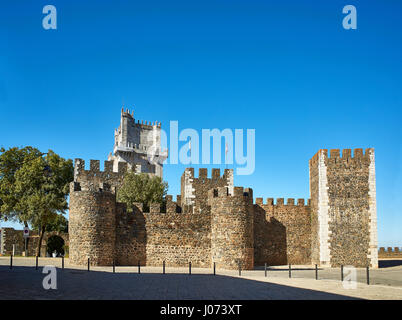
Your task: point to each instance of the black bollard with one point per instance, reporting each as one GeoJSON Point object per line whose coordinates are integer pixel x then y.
{"type": "Point", "coordinates": [239, 269]}
{"type": "Point", "coordinates": [88, 264]}
{"type": "Point", "coordinates": [62, 263]}
{"type": "Point", "coordinates": [290, 270]}
{"type": "Point", "coordinates": [265, 269]}
{"type": "Point", "coordinates": [368, 275]}
{"type": "Point", "coordinates": [316, 272]}
{"type": "Point", "coordinates": [11, 261]}
{"type": "Point", "coordinates": [214, 269]}
{"type": "Point", "coordinates": [342, 273]}
{"type": "Point", "coordinates": [163, 266]}
{"type": "Point", "coordinates": [114, 266]}
{"type": "Point", "coordinates": [36, 266]}
{"type": "Point", "coordinates": [189, 268]}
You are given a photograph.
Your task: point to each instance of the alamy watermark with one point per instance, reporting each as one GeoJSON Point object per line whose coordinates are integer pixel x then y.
{"type": "Point", "coordinates": [350, 20]}
{"type": "Point", "coordinates": [230, 147]}
{"type": "Point", "coordinates": [350, 277]}
{"type": "Point", "coordinates": [49, 281]}
{"type": "Point", "coordinates": [50, 20]}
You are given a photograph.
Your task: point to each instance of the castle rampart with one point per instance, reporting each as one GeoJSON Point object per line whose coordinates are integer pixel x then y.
{"type": "Point", "coordinates": [213, 221]}
{"type": "Point", "coordinates": [388, 253]}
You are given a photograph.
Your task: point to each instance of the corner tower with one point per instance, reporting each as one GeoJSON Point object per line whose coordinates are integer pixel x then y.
{"type": "Point", "coordinates": [343, 205]}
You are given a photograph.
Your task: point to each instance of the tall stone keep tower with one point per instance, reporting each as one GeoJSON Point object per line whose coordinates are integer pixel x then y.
{"type": "Point", "coordinates": [343, 207]}
{"type": "Point", "coordinates": [138, 144]}
{"type": "Point", "coordinates": [232, 227]}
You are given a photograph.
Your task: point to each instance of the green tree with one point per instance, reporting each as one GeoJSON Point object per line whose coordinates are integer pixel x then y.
{"type": "Point", "coordinates": [37, 191]}
{"type": "Point", "coordinates": [142, 188]}
{"type": "Point", "coordinates": [11, 161]}
{"type": "Point", "coordinates": [59, 224]}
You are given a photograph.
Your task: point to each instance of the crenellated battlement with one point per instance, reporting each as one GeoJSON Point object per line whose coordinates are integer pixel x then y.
{"type": "Point", "coordinates": [94, 167]}
{"type": "Point", "coordinates": [203, 173]}
{"type": "Point", "coordinates": [222, 192]}
{"type": "Point", "coordinates": [390, 252]}
{"type": "Point", "coordinates": [96, 177]}
{"type": "Point", "coordinates": [346, 154]}
{"type": "Point", "coordinates": [143, 123]}
{"type": "Point", "coordinates": [91, 187]}
{"type": "Point", "coordinates": [154, 208]}
{"type": "Point", "coordinates": [281, 202]}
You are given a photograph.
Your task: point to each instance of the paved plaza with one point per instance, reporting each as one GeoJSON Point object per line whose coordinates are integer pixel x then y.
{"type": "Point", "coordinates": [23, 281]}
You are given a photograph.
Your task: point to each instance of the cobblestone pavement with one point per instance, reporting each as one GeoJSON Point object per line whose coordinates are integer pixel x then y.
{"type": "Point", "coordinates": [23, 281]}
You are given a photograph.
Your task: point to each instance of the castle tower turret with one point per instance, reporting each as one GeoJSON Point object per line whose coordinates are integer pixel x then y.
{"type": "Point", "coordinates": [194, 191]}
{"type": "Point", "coordinates": [92, 224]}
{"type": "Point", "coordinates": [343, 205]}
{"type": "Point", "coordinates": [138, 144]}
{"type": "Point", "coordinates": [232, 221]}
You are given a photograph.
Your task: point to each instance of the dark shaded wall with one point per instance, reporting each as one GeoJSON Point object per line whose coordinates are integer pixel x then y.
{"type": "Point", "coordinates": [282, 232]}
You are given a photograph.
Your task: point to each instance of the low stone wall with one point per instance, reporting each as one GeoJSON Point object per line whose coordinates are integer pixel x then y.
{"type": "Point", "coordinates": [389, 253]}
{"type": "Point", "coordinates": [10, 236]}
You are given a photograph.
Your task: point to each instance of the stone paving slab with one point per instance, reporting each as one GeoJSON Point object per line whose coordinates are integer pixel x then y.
{"type": "Point", "coordinates": [24, 282]}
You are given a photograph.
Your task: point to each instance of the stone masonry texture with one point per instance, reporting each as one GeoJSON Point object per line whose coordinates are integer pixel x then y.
{"type": "Point", "coordinates": [350, 222]}
{"type": "Point", "coordinates": [212, 221]}
{"type": "Point", "coordinates": [10, 237]}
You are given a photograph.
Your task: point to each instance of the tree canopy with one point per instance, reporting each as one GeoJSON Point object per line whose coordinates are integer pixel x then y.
{"type": "Point", "coordinates": [59, 224]}
{"type": "Point", "coordinates": [34, 186]}
{"type": "Point", "coordinates": [11, 161]}
{"type": "Point", "coordinates": [143, 188]}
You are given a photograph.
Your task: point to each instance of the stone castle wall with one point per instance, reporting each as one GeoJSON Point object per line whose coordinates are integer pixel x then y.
{"type": "Point", "coordinates": [10, 237]}
{"type": "Point", "coordinates": [213, 221]}
{"type": "Point", "coordinates": [282, 232]}
{"type": "Point", "coordinates": [388, 253]}
{"type": "Point", "coordinates": [149, 238]}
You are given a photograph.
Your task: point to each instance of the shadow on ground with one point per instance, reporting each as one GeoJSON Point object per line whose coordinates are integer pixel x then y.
{"type": "Point", "coordinates": [285, 268]}
{"type": "Point", "coordinates": [389, 263]}
{"type": "Point", "coordinates": [26, 283]}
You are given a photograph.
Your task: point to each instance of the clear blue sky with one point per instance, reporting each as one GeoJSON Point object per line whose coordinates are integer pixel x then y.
{"type": "Point", "coordinates": [288, 69]}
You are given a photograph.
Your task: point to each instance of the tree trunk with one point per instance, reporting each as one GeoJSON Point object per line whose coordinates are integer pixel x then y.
{"type": "Point", "coordinates": [26, 241]}
{"type": "Point", "coordinates": [41, 233]}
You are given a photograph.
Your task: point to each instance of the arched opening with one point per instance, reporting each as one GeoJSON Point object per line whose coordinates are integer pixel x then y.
{"type": "Point", "coordinates": [55, 244]}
